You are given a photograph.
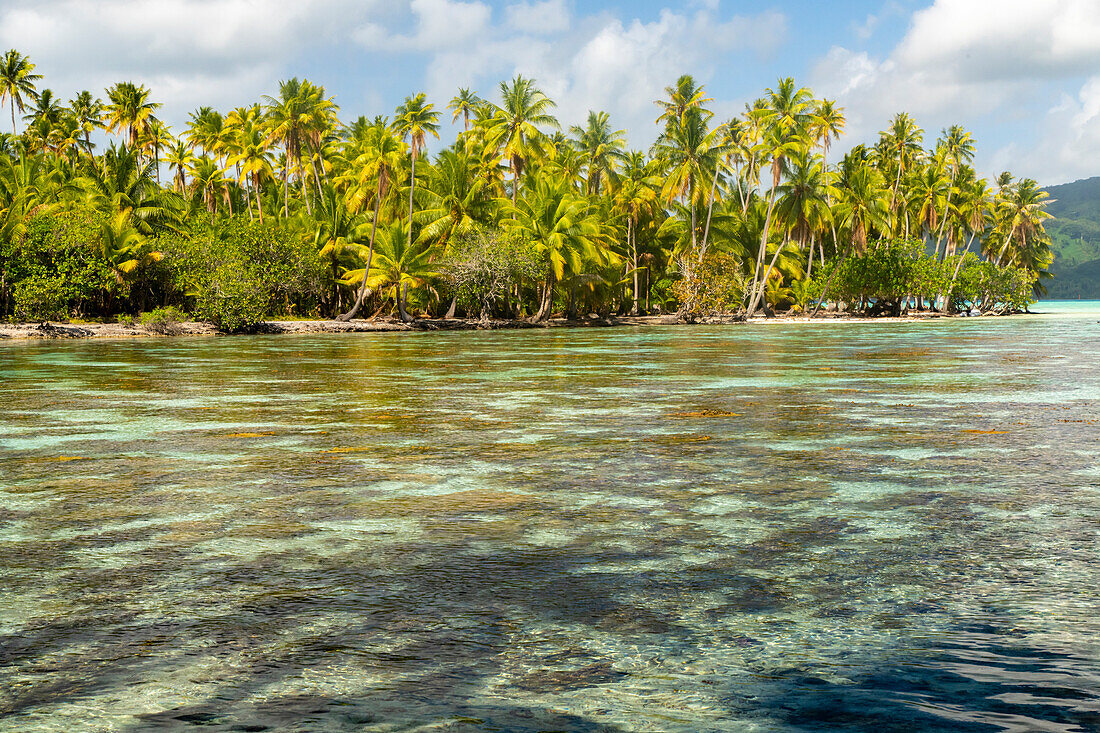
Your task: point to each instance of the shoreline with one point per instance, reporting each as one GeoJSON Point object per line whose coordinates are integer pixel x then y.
{"type": "Point", "coordinates": [55, 331]}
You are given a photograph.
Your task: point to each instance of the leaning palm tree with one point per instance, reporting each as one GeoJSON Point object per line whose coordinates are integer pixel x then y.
{"type": "Point", "coordinates": [958, 147]}
{"type": "Point", "coordinates": [786, 134]}
{"type": "Point", "coordinates": [415, 120]}
{"type": "Point", "coordinates": [380, 154]}
{"type": "Point", "coordinates": [515, 125]}
{"type": "Point", "coordinates": [17, 80]}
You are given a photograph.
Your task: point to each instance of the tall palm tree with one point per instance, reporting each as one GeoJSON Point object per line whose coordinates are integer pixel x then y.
{"type": "Point", "coordinates": [129, 109]}
{"type": "Point", "coordinates": [515, 128]}
{"type": "Point", "coordinates": [601, 148]}
{"type": "Point", "coordinates": [285, 117]}
{"type": "Point", "coordinates": [684, 95]}
{"type": "Point", "coordinates": [463, 105]}
{"type": "Point", "coordinates": [687, 150]}
{"type": "Point", "coordinates": [157, 136]}
{"type": "Point", "coordinates": [637, 196]}
{"type": "Point", "coordinates": [17, 80]}
{"type": "Point", "coordinates": [415, 120]}
{"type": "Point", "coordinates": [958, 146]}
{"type": "Point", "coordinates": [786, 134]}
{"type": "Point", "coordinates": [88, 111]}
{"type": "Point", "coordinates": [901, 144]}
{"type": "Point", "coordinates": [562, 229]}
{"type": "Point", "coordinates": [379, 155]}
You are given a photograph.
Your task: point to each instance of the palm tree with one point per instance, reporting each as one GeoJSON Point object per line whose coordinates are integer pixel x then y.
{"type": "Point", "coordinates": [17, 80]}
{"type": "Point", "coordinates": [601, 148]}
{"type": "Point", "coordinates": [88, 111]}
{"type": "Point", "coordinates": [119, 180]}
{"type": "Point", "coordinates": [463, 104]}
{"type": "Point", "coordinates": [687, 150]}
{"type": "Point", "coordinates": [901, 146]}
{"type": "Point", "coordinates": [46, 108]}
{"type": "Point", "coordinates": [682, 96]}
{"type": "Point", "coordinates": [181, 159]}
{"type": "Point", "coordinates": [131, 109]}
{"type": "Point", "coordinates": [861, 208]}
{"type": "Point", "coordinates": [415, 120]}
{"type": "Point", "coordinates": [638, 195]}
{"type": "Point", "coordinates": [338, 235]}
{"type": "Point", "coordinates": [157, 136]}
{"type": "Point", "coordinates": [1022, 211]}
{"type": "Point", "coordinates": [561, 228]}
{"type": "Point", "coordinates": [380, 154]}
{"type": "Point", "coordinates": [958, 146]}
{"type": "Point", "coordinates": [515, 126]}
{"type": "Point", "coordinates": [285, 120]}
{"type": "Point", "coordinates": [804, 204]}
{"type": "Point", "coordinates": [208, 181]}
{"type": "Point", "coordinates": [785, 135]}
{"type": "Point", "coordinates": [251, 156]}
{"type": "Point", "coordinates": [399, 263]}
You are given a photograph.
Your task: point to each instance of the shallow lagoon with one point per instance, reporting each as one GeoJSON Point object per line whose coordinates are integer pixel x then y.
{"type": "Point", "coordinates": [877, 526]}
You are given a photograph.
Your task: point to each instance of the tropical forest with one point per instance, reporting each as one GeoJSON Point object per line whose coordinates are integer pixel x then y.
{"type": "Point", "coordinates": [289, 207]}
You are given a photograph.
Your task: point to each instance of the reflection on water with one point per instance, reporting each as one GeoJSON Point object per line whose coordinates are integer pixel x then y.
{"type": "Point", "coordinates": [883, 527]}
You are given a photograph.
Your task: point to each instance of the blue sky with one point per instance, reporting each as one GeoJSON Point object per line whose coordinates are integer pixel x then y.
{"type": "Point", "coordinates": [1022, 75]}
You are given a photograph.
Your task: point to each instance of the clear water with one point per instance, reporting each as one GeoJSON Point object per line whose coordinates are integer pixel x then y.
{"type": "Point", "coordinates": [883, 527]}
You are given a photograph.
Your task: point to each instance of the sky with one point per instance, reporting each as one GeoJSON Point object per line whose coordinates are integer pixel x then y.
{"type": "Point", "coordinates": [1022, 75]}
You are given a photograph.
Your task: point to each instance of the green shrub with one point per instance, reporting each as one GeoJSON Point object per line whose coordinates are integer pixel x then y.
{"type": "Point", "coordinates": [236, 273]}
{"type": "Point", "coordinates": [712, 287]}
{"type": "Point", "coordinates": [164, 321]}
{"type": "Point", "coordinates": [42, 299]}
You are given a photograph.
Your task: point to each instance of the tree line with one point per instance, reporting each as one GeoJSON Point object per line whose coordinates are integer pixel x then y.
{"type": "Point", "coordinates": [280, 208]}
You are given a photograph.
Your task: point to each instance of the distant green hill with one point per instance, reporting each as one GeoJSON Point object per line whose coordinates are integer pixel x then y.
{"type": "Point", "coordinates": [1075, 232]}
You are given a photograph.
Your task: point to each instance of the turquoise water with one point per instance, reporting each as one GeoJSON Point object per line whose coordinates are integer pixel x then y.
{"type": "Point", "coordinates": [880, 526]}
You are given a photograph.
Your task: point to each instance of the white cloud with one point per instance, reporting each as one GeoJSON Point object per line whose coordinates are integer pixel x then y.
{"type": "Point", "coordinates": [1070, 145]}
{"type": "Point", "coordinates": [189, 52]}
{"type": "Point", "coordinates": [963, 60]}
{"type": "Point", "coordinates": [604, 63]}
{"type": "Point", "coordinates": [440, 25]}
{"type": "Point", "coordinates": [538, 18]}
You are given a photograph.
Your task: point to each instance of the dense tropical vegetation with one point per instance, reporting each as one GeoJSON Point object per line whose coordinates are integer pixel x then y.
{"type": "Point", "coordinates": [281, 208]}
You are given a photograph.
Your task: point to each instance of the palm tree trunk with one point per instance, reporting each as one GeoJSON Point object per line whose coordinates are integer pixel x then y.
{"type": "Point", "coordinates": [763, 248]}
{"type": "Point", "coordinates": [259, 202]}
{"type": "Point", "coordinates": [710, 210]}
{"type": "Point", "coordinates": [402, 294]}
{"type": "Point", "coordinates": [764, 282]}
{"type": "Point", "coordinates": [634, 251]}
{"type": "Point", "coordinates": [810, 260]}
{"type": "Point", "coordinates": [946, 296]}
{"type": "Point", "coordinates": [286, 185]}
{"type": "Point", "coordinates": [832, 276]}
{"type": "Point", "coordinates": [370, 254]}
